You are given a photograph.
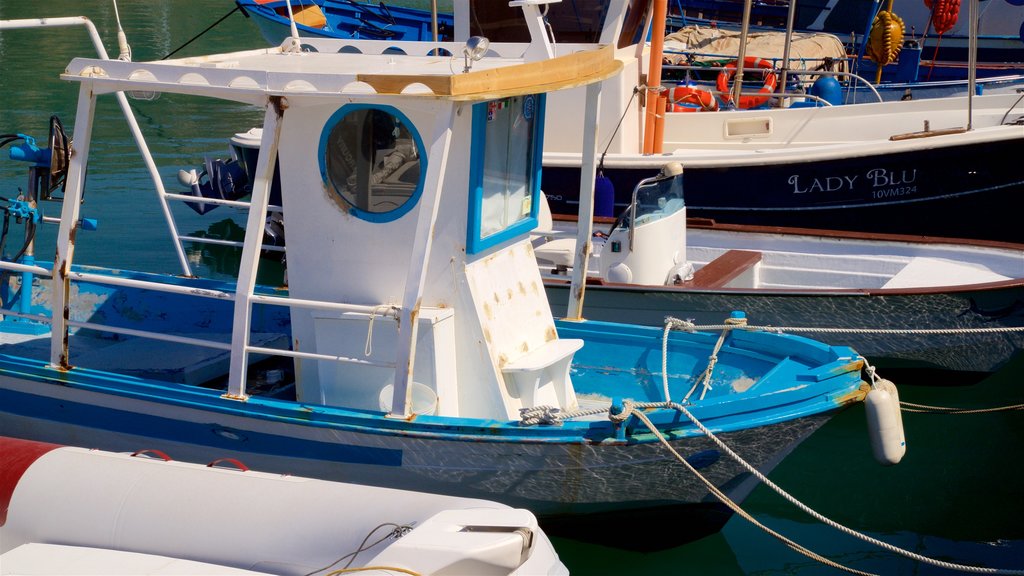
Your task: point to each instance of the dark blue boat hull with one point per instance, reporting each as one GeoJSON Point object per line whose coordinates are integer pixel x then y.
{"type": "Point", "coordinates": [963, 191]}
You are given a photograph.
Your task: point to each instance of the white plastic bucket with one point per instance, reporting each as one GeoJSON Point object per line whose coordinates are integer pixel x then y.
{"type": "Point", "coordinates": [424, 399]}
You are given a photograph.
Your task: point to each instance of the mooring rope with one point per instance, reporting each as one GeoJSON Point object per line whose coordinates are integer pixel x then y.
{"type": "Point", "coordinates": [736, 507]}
{"type": "Point", "coordinates": [905, 406]}
{"type": "Point", "coordinates": [778, 490]}
{"type": "Point", "coordinates": [208, 28]}
{"type": "Point", "coordinates": [552, 415]}
{"type": "Point", "coordinates": [691, 327]}
{"type": "Point", "coordinates": [926, 409]}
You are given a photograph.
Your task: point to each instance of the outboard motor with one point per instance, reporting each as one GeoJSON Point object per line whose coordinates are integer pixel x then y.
{"type": "Point", "coordinates": [647, 244]}
{"type": "Point", "coordinates": [222, 179]}
{"type": "Point", "coordinates": [232, 179]}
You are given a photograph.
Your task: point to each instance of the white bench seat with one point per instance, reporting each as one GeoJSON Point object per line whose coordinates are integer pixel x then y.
{"type": "Point", "coordinates": [541, 376]}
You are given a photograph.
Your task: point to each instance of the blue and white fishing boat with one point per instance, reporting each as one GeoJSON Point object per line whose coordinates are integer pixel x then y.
{"type": "Point", "coordinates": [346, 19]}
{"type": "Point", "coordinates": [145, 514]}
{"type": "Point", "coordinates": [413, 345]}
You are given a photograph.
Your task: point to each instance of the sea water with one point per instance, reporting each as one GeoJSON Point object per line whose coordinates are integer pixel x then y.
{"type": "Point", "coordinates": [958, 495]}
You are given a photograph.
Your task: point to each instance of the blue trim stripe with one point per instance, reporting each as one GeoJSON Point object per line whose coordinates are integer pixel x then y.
{"type": "Point", "coordinates": [210, 434]}
{"type": "Point", "coordinates": [474, 242]}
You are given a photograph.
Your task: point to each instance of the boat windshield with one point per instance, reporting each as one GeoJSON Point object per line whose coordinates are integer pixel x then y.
{"type": "Point", "coordinates": [657, 199]}
{"type": "Point", "coordinates": [578, 21]}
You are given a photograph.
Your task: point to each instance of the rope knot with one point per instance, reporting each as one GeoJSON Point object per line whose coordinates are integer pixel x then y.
{"type": "Point", "coordinates": [620, 416]}
{"type": "Point", "coordinates": [549, 415]}
{"type": "Point", "coordinates": [676, 324]}
{"type": "Point", "coordinates": [736, 321]}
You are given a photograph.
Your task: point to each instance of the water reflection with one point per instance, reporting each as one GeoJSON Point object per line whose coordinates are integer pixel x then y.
{"type": "Point", "coordinates": [223, 261]}
{"type": "Point", "coordinates": [180, 130]}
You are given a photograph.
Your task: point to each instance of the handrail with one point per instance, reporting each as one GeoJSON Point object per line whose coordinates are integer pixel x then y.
{"type": "Point", "coordinates": [383, 310]}
{"type": "Point", "coordinates": [232, 243]}
{"type": "Point", "coordinates": [802, 72]}
{"type": "Point", "coordinates": [122, 101]}
{"type": "Point", "coordinates": [16, 267]}
{"type": "Point", "coordinates": [317, 356]}
{"type": "Point", "coordinates": [147, 285]}
{"type": "Point", "coordinates": [218, 201]}
{"type": "Point", "coordinates": [236, 385]}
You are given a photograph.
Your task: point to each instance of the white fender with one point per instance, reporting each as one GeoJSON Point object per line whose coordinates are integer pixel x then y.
{"type": "Point", "coordinates": [885, 423]}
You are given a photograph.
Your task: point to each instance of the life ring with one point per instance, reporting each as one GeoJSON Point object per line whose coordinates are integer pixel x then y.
{"type": "Point", "coordinates": [750, 62]}
{"type": "Point", "coordinates": [690, 99]}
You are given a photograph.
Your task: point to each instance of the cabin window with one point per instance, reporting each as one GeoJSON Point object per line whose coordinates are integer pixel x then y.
{"type": "Point", "coordinates": [373, 158]}
{"type": "Point", "coordinates": [505, 170]}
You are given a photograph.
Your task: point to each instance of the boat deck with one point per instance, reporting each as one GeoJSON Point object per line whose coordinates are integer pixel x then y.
{"type": "Point", "coordinates": [150, 359]}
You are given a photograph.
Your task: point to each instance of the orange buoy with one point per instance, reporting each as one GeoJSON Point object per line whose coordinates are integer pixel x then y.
{"type": "Point", "coordinates": [944, 14]}
{"type": "Point", "coordinates": [753, 63]}
{"type": "Point", "coordinates": [691, 99]}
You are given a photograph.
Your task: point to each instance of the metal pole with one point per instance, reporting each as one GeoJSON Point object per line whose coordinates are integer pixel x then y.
{"type": "Point", "coordinates": [585, 217]}
{"type": "Point", "coordinates": [60, 301]}
{"type": "Point", "coordinates": [972, 61]}
{"type": "Point", "coordinates": [737, 86]}
{"type": "Point", "coordinates": [433, 18]}
{"type": "Point", "coordinates": [790, 17]}
{"type": "Point", "coordinates": [422, 244]}
{"type": "Point", "coordinates": [238, 367]}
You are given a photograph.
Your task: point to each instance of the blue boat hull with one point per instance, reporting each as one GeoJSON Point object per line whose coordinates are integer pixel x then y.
{"type": "Point", "coordinates": [349, 19]}
{"type": "Point", "coordinates": [551, 479]}
{"type": "Point", "coordinates": [771, 392]}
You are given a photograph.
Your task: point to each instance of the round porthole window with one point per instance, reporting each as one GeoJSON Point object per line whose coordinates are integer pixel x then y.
{"type": "Point", "coordinates": [373, 158]}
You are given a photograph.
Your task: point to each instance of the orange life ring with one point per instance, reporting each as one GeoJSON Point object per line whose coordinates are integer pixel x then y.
{"type": "Point", "coordinates": [690, 99]}
{"type": "Point", "coordinates": [751, 63]}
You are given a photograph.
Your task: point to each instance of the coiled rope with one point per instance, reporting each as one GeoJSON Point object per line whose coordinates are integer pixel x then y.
{"type": "Point", "coordinates": [548, 414]}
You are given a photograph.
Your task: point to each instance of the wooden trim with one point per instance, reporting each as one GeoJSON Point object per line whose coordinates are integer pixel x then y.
{"type": "Point", "coordinates": [569, 71]}
{"type": "Point", "coordinates": [724, 269]}
{"type": "Point", "coordinates": [927, 134]}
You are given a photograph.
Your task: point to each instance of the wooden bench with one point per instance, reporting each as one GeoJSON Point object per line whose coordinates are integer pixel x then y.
{"type": "Point", "coordinates": [724, 269]}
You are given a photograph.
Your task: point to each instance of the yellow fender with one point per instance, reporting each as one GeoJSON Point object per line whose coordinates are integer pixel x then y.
{"type": "Point", "coordinates": [886, 38]}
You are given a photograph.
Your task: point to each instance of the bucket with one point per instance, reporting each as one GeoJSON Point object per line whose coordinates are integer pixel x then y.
{"type": "Point", "coordinates": [424, 399]}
